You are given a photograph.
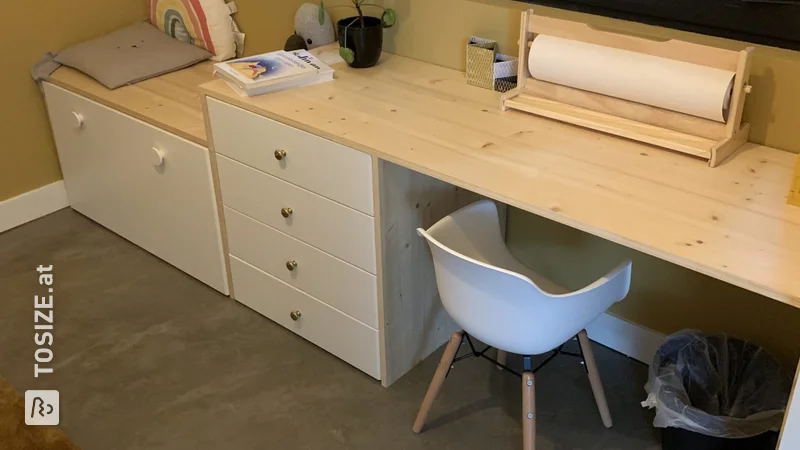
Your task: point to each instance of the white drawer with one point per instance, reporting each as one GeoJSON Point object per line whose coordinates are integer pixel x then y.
{"type": "Point", "coordinates": [325, 224]}
{"type": "Point", "coordinates": [112, 176]}
{"type": "Point", "coordinates": [319, 165]}
{"type": "Point", "coordinates": [329, 279]}
{"type": "Point", "coordinates": [326, 327]}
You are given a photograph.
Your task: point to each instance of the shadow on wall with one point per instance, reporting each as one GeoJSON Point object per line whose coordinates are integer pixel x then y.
{"type": "Point", "coordinates": [664, 297]}
{"type": "Point", "coordinates": [437, 31]}
{"type": "Point", "coordinates": [763, 83]}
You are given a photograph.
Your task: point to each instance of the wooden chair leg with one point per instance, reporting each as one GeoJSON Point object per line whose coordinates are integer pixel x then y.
{"type": "Point", "coordinates": [438, 379]}
{"type": "Point", "coordinates": [502, 357]}
{"type": "Point", "coordinates": [594, 378]}
{"type": "Point", "coordinates": [528, 412]}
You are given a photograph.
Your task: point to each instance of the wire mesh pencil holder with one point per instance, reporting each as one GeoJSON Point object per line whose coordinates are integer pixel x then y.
{"type": "Point", "coordinates": [489, 69]}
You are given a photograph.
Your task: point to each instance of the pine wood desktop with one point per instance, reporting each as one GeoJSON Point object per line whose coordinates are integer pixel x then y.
{"type": "Point", "coordinates": [731, 222]}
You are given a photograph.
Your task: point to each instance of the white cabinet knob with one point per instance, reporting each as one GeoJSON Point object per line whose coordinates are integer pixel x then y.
{"type": "Point", "coordinates": [157, 157]}
{"type": "Point", "coordinates": [78, 119]}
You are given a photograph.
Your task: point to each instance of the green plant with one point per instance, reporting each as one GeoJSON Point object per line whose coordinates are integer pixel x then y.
{"type": "Point", "coordinates": [388, 18]}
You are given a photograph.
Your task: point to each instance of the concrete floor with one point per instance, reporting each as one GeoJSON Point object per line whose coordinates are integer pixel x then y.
{"type": "Point", "coordinates": [148, 358]}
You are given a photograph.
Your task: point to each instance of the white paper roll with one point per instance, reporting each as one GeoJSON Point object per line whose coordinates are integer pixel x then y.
{"type": "Point", "coordinates": [674, 85]}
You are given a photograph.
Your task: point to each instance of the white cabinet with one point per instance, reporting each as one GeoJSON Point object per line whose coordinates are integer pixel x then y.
{"type": "Point", "coordinates": [301, 232]}
{"type": "Point", "coordinates": [149, 186]}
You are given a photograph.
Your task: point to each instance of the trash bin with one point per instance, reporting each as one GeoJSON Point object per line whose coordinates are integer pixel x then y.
{"type": "Point", "coordinates": [714, 392]}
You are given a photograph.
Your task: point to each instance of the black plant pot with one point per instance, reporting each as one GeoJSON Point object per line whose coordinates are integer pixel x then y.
{"type": "Point", "coordinates": [366, 43]}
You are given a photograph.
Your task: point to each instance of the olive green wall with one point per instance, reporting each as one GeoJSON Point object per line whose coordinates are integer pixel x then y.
{"type": "Point", "coordinates": [268, 23]}
{"type": "Point", "coordinates": [28, 158]}
{"type": "Point", "coordinates": [663, 297]}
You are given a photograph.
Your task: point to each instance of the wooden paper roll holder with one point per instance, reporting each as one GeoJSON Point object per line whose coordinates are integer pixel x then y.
{"type": "Point", "coordinates": [696, 136]}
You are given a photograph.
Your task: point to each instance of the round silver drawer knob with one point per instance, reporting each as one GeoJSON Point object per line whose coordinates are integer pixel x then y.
{"type": "Point", "coordinates": [291, 265]}
{"type": "Point", "coordinates": [295, 315]}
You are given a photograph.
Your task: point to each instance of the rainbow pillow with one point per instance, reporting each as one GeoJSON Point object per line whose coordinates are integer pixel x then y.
{"type": "Point", "coordinates": [204, 23]}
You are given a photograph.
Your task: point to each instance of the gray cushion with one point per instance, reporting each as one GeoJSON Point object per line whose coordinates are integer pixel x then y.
{"type": "Point", "coordinates": [131, 54]}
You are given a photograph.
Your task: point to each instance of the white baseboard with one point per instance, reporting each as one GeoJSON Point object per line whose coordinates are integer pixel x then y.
{"type": "Point", "coordinates": [628, 338]}
{"type": "Point", "coordinates": [32, 205]}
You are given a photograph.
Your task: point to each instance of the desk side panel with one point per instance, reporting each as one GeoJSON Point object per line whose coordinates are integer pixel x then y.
{"type": "Point", "coordinates": [413, 321]}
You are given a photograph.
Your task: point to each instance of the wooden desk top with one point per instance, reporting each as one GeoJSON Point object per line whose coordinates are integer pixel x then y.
{"type": "Point", "coordinates": [730, 222]}
{"type": "Point", "coordinates": [172, 102]}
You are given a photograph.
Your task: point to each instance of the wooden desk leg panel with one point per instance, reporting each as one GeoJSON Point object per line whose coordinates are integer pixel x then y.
{"type": "Point", "coordinates": [218, 196]}
{"type": "Point", "coordinates": [412, 320]}
{"type": "Point", "coordinates": [790, 434]}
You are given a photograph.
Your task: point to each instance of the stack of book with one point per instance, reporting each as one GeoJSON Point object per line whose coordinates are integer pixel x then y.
{"type": "Point", "coordinates": [275, 71]}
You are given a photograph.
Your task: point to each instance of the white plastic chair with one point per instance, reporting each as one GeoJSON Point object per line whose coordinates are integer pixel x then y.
{"type": "Point", "coordinates": [496, 299]}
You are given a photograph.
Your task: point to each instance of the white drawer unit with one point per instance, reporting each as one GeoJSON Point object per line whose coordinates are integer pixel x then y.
{"type": "Point", "coordinates": [332, 227]}
{"type": "Point", "coordinates": [329, 279]}
{"type": "Point", "coordinates": [149, 186]}
{"type": "Point", "coordinates": [345, 337]}
{"type": "Point", "coordinates": [362, 282]}
{"type": "Point", "coordinates": [319, 165]}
